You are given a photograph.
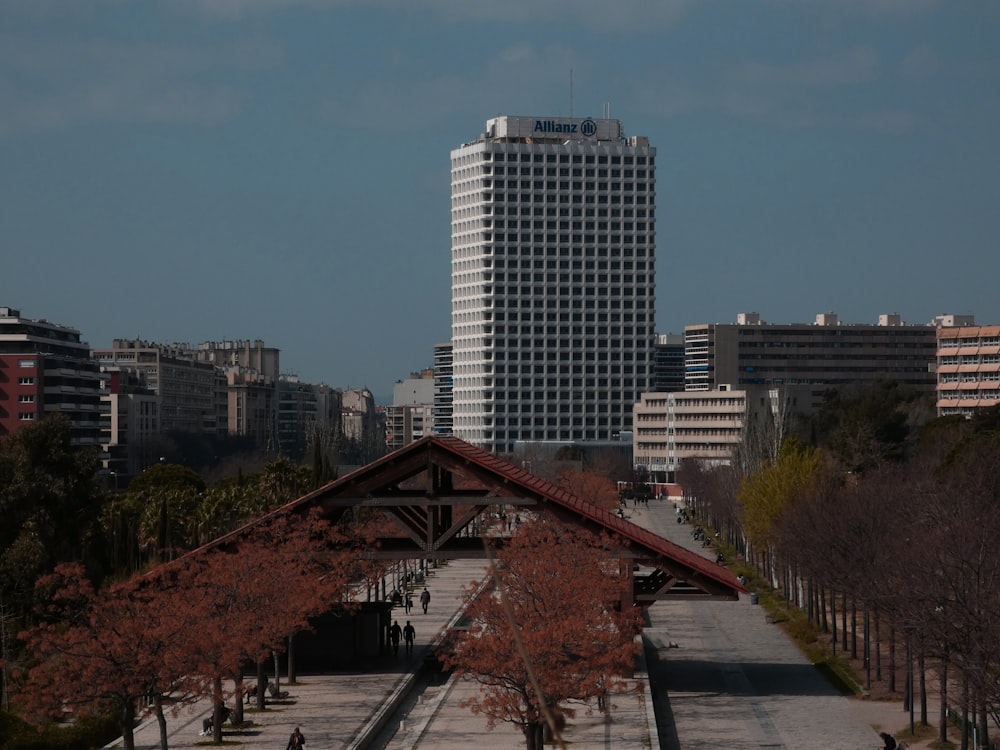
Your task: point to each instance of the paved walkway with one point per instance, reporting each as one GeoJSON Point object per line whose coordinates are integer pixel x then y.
{"type": "Point", "coordinates": [343, 710]}
{"type": "Point", "coordinates": [733, 680]}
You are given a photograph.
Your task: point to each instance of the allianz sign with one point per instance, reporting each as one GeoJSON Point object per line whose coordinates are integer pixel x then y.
{"type": "Point", "coordinates": [585, 127]}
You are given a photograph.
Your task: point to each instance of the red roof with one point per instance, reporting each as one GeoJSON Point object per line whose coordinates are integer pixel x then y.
{"type": "Point", "coordinates": [688, 572]}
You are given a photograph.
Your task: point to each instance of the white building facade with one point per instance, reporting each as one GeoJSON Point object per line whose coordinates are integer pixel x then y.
{"type": "Point", "coordinates": [553, 280]}
{"type": "Point", "coordinates": [671, 427]}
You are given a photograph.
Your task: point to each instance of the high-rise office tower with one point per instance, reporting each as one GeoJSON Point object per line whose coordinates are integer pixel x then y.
{"type": "Point", "coordinates": [552, 280]}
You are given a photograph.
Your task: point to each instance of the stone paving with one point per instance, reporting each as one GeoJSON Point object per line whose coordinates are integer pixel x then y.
{"type": "Point", "coordinates": [733, 680]}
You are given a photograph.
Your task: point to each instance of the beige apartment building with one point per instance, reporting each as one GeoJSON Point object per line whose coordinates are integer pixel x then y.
{"type": "Point", "coordinates": [411, 415]}
{"type": "Point", "coordinates": [669, 427]}
{"type": "Point", "coordinates": [191, 394]}
{"type": "Point", "coordinates": [968, 369]}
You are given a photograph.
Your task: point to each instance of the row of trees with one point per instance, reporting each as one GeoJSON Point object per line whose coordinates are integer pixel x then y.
{"type": "Point", "coordinates": [57, 510]}
{"type": "Point", "coordinates": [96, 633]}
{"type": "Point", "coordinates": [887, 521]}
{"type": "Point", "coordinates": [176, 634]}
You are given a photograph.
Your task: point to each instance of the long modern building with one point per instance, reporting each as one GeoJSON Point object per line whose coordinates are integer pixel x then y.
{"type": "Point", "coordinates": [810, 357]}
{"type": "Point", "coordinates": [552, 278]}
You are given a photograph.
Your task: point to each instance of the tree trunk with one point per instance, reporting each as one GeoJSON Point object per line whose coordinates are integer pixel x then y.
{"type": "Point", "coordinates": [854, 628]}
{"type": "Point", "coordinates": [261, 686]}
{"type": "Point", "coordinates": [533, 736]}
{"type": "Point", "coordinates": [825, 623]}
{"type": "Point", "coordinates": [943, 697]}
{"type": "Point", "coordinates": [833, 620]}
{"type": "Point", "coordinates": [217, 713]}
{"type": "Point", "coordinates": [868, 646]}
{"type": "Point", "coordinates": [908, 683]}
{"type": "Point", "coordinates": [878, 648]}
{"type": "Point", "coordinates": [128, 724]}
{"type": "Point", "coordinates": [892, 658]}
{"type": "Point", "coordinates": [843, 621]}
{"type": "Point", "coordinates": [277, 673]}
{"type": "Point", "coordinates": [923, 687]}
{"type": "Point", "coordinates": [965, 712]}
{"type": "Point", "coordinates": [238, 691]}
{"type": "Point", "coordinates": [161, 721]}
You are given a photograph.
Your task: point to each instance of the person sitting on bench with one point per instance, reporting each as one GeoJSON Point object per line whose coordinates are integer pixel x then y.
{"type": "Point", "coordinates": [209, 722]}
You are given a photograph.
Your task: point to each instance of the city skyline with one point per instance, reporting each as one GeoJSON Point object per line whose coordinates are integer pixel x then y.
{"type": "Point", "coordinates": [279, 169]}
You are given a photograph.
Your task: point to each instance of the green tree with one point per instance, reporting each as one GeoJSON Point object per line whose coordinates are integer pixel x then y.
{"type": "Point", "coordinates": [167, 476]}
{"type": "Point", "coordinates": [766, 494]}
{"type": "Point", "coordinates": [49, 503]}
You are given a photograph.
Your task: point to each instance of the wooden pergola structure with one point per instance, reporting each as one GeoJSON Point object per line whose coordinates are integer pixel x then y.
{"type": "Point", "coordinates": [440, 490]}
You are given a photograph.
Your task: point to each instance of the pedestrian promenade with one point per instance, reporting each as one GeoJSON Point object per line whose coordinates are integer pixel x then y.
{"type": "Point", "coordinates": [720, 676]}
{"type": "Point", "coordinates": [725, 677]}
{"type": "Point", "coordinates": [343, 710]}
{"type": "Point", "coordinates": [333, 710]}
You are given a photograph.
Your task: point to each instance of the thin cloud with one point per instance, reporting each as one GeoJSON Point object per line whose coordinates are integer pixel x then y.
{"type": "Point", "coordinates": [56, 84]}
{"type": "Point", "coordinates": [627, 16]}
{"type": "Point", "coordinates": [397, 105]}
{"type": "Point", "coordinates": [793, 96]}
{"type": "Point", "coordinates": [870, 8]}
{"type": "Point", "coordinates": [857, 66]}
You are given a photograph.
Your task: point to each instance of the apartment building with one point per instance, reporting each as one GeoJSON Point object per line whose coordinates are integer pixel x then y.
{"type": "Point", "coordinates": [819, 356]}
{"type": "Point", "coordinates": [443, 385]}
{"type": "Point", "coordinates": [968, 368]}
{"type": "Point", "coordinates": [668, 363]}
{"type": "Point", "coordinates": [303, 408]}
{"type": "Point", "coordinates": [411, 415]}
{"type": "Point", "coordinates": [45, 369]}
{"type": "Point", "coordinates": [129, 424]}
{"type": "Point", "coordinates": [671, 427]}
{"type": "Point", "coordinates": [553, 269]}
{"type": "Point", "coordinates": [191, 393]}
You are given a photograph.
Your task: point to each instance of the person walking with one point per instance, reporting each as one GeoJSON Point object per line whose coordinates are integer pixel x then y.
{"type": "Point", "coordinates": [409, 602]}
{"type": "Point", "coordinates": [408, 635]}
{"type": "Point", "coordinates": [394, 633]}
{"type": "Point", "coordinates": [425, 599]}
{"type": "Point", "coordinates": [296, 741]}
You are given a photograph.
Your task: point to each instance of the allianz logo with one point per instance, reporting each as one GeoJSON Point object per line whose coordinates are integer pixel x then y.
{"type": "Point", "coordinates": [586, 127]}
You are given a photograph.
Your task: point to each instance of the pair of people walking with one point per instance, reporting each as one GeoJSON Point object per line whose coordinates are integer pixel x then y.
{"type": "Point", "coordinates": [408, 634]}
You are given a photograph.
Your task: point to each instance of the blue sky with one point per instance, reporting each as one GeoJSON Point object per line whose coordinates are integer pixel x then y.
{"type": "Point", "coordinates": [192, 170]}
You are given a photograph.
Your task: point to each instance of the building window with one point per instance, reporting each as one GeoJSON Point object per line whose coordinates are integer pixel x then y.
{"type": "Point", "coordinates": [25, 363]}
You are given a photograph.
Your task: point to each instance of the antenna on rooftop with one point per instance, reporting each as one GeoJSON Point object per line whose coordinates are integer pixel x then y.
{"type": "Point", "coordinates": [571, 93]}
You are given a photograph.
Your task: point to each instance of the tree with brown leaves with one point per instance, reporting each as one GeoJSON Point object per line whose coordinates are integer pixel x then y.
{"type": "Point", "coordinates": [590, 486]}
{"type": "Point", "coordinates": [547, 629]}
{"type": "Point", "coordinates": [95, 649]}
